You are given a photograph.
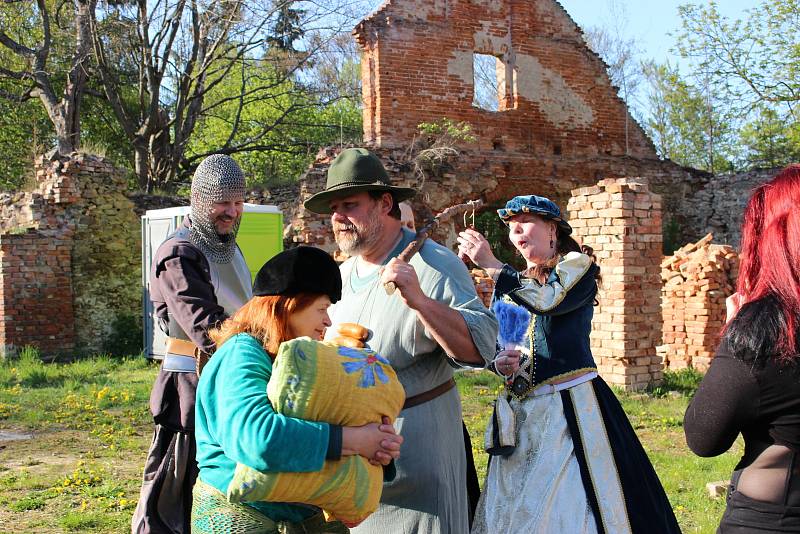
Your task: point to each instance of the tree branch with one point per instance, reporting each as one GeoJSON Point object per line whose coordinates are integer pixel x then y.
{"type": "Point", "coordinates": [14, 46]}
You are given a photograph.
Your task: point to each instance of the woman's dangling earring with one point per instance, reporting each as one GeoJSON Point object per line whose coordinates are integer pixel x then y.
{"type": "Point", "coordinates": [551, 241]}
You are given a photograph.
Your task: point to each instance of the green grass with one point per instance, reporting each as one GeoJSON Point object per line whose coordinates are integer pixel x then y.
{"type": "Point", "coordinates": [86, 521]}
{"type": "Point", "coordinates": [91, 425]}
{"type": "Point", "coordinates": [31, 502]}
{"type": "Point", "coordinates": [92, 428]}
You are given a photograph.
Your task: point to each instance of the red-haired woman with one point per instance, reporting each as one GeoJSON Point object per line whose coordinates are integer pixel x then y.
{"type": "Point", "coordinates": [234, 420]}
{"type": "Point", "coordinates": [753, 384]}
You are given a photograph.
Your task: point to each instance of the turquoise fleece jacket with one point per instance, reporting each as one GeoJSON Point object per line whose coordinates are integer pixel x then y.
{"type": "Point", "coordinates": [235, 422]}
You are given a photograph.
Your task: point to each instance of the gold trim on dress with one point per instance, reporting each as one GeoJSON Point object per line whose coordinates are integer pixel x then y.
{"type": "Point", "coordinates": [600, 460]}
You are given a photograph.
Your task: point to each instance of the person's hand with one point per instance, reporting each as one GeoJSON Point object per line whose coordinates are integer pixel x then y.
{"type": "Point", "coordinates": [472, 245]}
{"type": "Point", "coordinates": [507, 362]}
{"type": "Point", "coordinates": [390, 448]}
{"type": "Point", "coordinates": [405, 278]}
{"type": "Point", "coordinates": [732, 305]}
{"type": "Point", "coordinates": [378, 442]}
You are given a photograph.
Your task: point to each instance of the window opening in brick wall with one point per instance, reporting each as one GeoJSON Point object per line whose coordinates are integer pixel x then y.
{"type": "Point", "coordinates": [494, 83]}
{"type": "Point", "coordinates": [485, 95]}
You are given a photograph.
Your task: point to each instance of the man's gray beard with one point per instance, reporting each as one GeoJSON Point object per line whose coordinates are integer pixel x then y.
{"type": "Point", "coordinates": [354, 244]}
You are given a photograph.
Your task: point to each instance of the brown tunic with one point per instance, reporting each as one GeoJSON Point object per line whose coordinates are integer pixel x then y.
{"type": "Point", "coordinates": [181, 287]}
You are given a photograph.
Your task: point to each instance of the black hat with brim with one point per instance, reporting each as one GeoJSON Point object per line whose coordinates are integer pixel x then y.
{"type": "Point", "coordinates": [354, 170]}
{"type": "Point", "coordinates": [299, 270]}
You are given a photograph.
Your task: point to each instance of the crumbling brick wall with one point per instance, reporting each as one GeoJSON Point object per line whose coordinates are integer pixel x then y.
{"type": "Point", "coordinates": [90, 279]}
{"type": "Point", "coordinates": [555, 97]}
{"type": "Point", "coordinates": [560, 123]}
{"type": "Point", "coordinates": [35, 284]}
{"type": "Point", "coordinates": [696, 281]}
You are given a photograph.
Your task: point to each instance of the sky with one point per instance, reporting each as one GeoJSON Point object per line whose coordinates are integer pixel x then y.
{"type": "Point", "coordinates": [649, 22]}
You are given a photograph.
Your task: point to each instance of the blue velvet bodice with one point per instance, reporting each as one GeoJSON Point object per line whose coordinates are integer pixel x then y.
{"type": "Point", "coordinates": [561, 320]}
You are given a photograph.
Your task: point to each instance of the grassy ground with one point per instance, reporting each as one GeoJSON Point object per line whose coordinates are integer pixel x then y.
{"type": "Point", "coordinates": [91, 428]}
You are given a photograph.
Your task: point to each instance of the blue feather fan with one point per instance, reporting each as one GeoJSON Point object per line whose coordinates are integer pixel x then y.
{"type": "Point", "coordinates": [514, 321]}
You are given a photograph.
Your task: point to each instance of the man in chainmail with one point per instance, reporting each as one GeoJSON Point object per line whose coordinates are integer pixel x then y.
{"type": "Point", "coordinates": [198, 278]}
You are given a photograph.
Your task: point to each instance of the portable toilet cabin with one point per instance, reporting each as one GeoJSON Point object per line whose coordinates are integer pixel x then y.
{"type": "Point", "coordinates": [260, 237]}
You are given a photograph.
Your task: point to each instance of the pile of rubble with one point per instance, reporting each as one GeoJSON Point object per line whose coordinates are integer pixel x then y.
{"type": "Point", "coordinates": [484, 285]}
{"type": "Point", "coordinates": [696, 280]}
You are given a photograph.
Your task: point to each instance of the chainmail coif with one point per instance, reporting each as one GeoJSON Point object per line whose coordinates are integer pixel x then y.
{"type": "Point", "coordinates": [217, 179]}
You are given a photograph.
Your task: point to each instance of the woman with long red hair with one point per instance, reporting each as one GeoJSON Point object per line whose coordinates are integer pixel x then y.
{"type": "Point", "coordinates": [234, 420]}
{"type": "Point", "coordinates": [753, 384]}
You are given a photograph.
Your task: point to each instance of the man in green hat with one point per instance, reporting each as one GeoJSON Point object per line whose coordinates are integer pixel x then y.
{"type": "Point", "coordinates": [434, 323]}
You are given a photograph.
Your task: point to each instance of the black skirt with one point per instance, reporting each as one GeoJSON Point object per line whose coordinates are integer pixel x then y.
{"type": "Point", "coordinates": [649, 511]}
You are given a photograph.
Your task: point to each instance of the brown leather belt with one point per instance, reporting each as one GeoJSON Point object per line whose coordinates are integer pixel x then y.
{"type": "Point", "coordinates": [429, 395]}
{"type": "Point", "coordinates": [182, 347]}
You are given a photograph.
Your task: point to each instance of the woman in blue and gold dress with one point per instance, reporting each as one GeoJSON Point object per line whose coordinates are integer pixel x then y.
{"type": "Point", "coordinates": [576, 464]}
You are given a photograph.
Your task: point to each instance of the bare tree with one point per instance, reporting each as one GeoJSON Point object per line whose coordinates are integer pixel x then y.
{"type": "Point", "coordinates": [335, 70]}
{"type": "Point", "coordinates": [620, 54]}
{"type": "Point", "coordinates": [34, 74]}
{"type": "Point", "coordinates": [180, 50]}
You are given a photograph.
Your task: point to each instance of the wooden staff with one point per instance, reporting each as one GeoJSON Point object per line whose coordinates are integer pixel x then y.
{"type": "Point", "coordinates": [422, 234]}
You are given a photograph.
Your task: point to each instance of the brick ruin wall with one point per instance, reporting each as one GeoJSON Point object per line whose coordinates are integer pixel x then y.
{"type": "Point", "coordinates": [34, 289]}
{"type": "Point", "coordinates": [69, 258]}
{"type": "Point", "coordinates": [621, 220]}
{"type": "Point", "coordinates": [560, 123]}
{"type": "Point", "coordinates": [554, 96]}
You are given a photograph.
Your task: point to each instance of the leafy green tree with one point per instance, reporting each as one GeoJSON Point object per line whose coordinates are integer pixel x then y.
{"type": "Point", "coordinates": [25, 130]}
{"type": "Point", "coordinates": [32, 34]}
{"type": "Point", "coordinates": [751, 60]}
{"type": "Point", "coordinates": [182, 53]}
{"type": "Point", "coordinates": [769, 140]}
{"type": "Point", "coordinates": [686, 125]}
{"type": "Point", "coordinates": [274, 137]}
{"type": "Point", "coordinates": [750, 66]}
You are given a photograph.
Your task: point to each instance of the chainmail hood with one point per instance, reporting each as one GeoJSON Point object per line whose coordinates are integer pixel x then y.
{"type": "Point", "coordinates": [217, 179]}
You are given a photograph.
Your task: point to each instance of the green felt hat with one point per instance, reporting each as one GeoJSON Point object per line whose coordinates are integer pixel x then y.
{"type": "Point", "coordinates": [354, 170]}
